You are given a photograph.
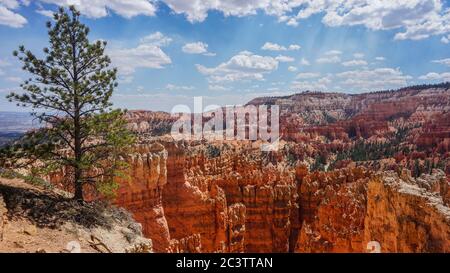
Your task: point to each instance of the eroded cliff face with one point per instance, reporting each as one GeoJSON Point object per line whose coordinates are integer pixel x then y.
{"type": "Point", "coordinates": [140, 192]}
{"type": "Point", "coordinates": [401, 213]}
{"type": "Point", "coordinates": [225, 197]}
{"type": "Point", "coordinates": [320, 192]}
{"type": "Point", "coordinates": [408, 215]}
{"type": "Point", "coordinates": [332, 211]}
{"type": "Point", "coordinates": [230, 197]}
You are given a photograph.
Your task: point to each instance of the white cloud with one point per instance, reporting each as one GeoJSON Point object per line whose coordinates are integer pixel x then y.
{"type": "Point", "coordinates": [412, 16]}
{"type": "Point", "coordinates": [294, 47]}
{"type": "Point", "coordinates": [197, 48]}
{"type": "Point", "coordinates": [380, 59]}
{"type": "Point", "coordinates": [157, 39]}
{"type": "Point", "coordinates": [8, 16]}
{"type": "Point", "coordinates": [358, 55]}
{"type": "Point", "coordinates": [304, 62]}
{"type": "Point", "coordinates": [329, 60]}
{"type": "Point", "coordinates": [317, 85]}
{"type": "Point", "coordinates": [443, 61]}
{"type": "Point", "coordinates": [273, 47]}
{"type": "Point", "coordinates": [333, 53]}
{"type": "Point", "coordinates": [216, 87]}
{"type": "Point", "coordinates": [292, 69]}
{"type": "Point", "coordinates": [284, 59]}
{"type": "Point", "coordinates": [100, 8]}
{"type": "Point", "coordinates": [354, 63]}
{"type": "Point", "coordinates": [330, 57]}
{"type": "Point", "coordinates": [417, 19]}
{"type": "Point", "coordinates": [173, 87]}
{"type": "Point", "coordinates": [45, 12]}
{"type": "Point", "coordinates": [445, 40]}
{"type": "Point", "coordinates": [307, 75]}
{"type": "Point", "coordinates": [433, 76]}
{"type": "Point", "coordinates": [148, 54]}
{"type": "Point", "coordinates": [276, 47]}
{"type": "Point", "coordinates": [243, 66]}
{"type": "Point", "coordinates": [413, 19]}
{"type": "Point", "coordinates": [292, 22]}
{"type": "Point", "coordinates": [379, 78]}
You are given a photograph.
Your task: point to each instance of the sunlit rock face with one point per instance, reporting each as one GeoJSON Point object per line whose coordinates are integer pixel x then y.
{"type": "Point", "coordinates": [141, 192]}
{"type": "Point", "coordinates": [408, 215]}
{"type": "Point", "coordinates": [230, 203]}
{"type": "Point", "coordinates": [236, 202]}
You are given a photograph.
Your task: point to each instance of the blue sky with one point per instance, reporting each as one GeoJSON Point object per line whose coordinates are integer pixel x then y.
{"type": "Point", "coordinates": [232, 51]}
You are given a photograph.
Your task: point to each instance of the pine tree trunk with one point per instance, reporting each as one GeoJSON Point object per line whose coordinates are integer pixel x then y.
{"type": "Point", "coordinates": [78, 187]}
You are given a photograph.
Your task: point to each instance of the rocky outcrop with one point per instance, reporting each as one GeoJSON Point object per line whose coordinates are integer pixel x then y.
{"type": "Point", "coordinates": [354, 208]}
{"type": "Point", "coordinates": [406, 215]}
{"type": "Point", "coordinates": [141, 192]}
{"type": "Point", "coordinates": [38, 220]}
{"type": "Point", "coordinates": [234, 203]}
{"type": "Point", "coordinates": [333, 207]}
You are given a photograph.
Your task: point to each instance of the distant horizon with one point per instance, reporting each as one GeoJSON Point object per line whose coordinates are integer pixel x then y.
{"type": "Point", "coordinates": [190, 100]}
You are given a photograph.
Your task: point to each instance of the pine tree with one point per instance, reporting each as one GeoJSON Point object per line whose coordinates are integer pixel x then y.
{"type": "Point", "coordinates": [69, 92]}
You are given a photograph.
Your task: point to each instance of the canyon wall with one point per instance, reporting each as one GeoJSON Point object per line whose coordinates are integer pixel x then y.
{"type": "Point", "coordinates": [310, 196]}
{"type": "Point", "coordinates": [235, 203]}
{"type": "Point", "coordinates": [140, 192]}
{"type": "Point", "coordinates": [401, 213]}
{"type": "Point", "coordinates": [233, 198]}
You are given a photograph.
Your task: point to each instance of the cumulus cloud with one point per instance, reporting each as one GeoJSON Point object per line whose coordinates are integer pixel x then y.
{"type": "Point", "coordinates": [292, 69]}
{"type": "Point", "coordinates": [445, 40]}
{"type": "Point", "coordinates": [294, 47]}
{"type": "Point", "coordinates": [413, 19]}
{"type": "Point", "coordinates": [284, 59]}
{"type": "Point", "coordinates": [276, 47]}
{"type": "Point", "coordinates": [354, 63]}
{"type": "Point", "coordinates": [197, 48]}
{"type": "Point", "coordinates": [148, 54]}
{"type": "Point", "coordinates": [330, 57]}
{"type": "Point", "coordinates": [100, 8]}
{"type": "Point", "coordinates": [45, 12]}
{"type": "Point", "coordinates": [416, 19]}
{"type": "Point", "coordinates": [443, 61]}
{"type": "Point", "coordinates": [243, 66]}
{"type": "Point", "coordinates": [304, 62]}
{"type": "Point", "coordinates": [380, 58]}
{"type": "Point", "coordinates": [157, 39]}
{"type": "Point", "coordinates": [376, 79]}
{"type": "Point", "coordinates": [8, 16]}
{"type": "Point", "coordinates": [329, 60]}
{"type": "Point", "coordinates": [433, 76]}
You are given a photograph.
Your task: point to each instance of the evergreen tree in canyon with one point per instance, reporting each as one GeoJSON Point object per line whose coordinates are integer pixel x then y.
{"type": "Point", "coordinates": [70, 91]}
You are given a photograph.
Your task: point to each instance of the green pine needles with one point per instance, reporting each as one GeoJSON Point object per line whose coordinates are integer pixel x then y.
{"type": "Point", "coordinates": [70, 92]}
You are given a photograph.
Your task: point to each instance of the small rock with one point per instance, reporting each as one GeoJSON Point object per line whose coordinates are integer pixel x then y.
{"type": "Point", "coordinates": [18, 244]}
{"type": "Point", "coordinates": [30, 230]}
